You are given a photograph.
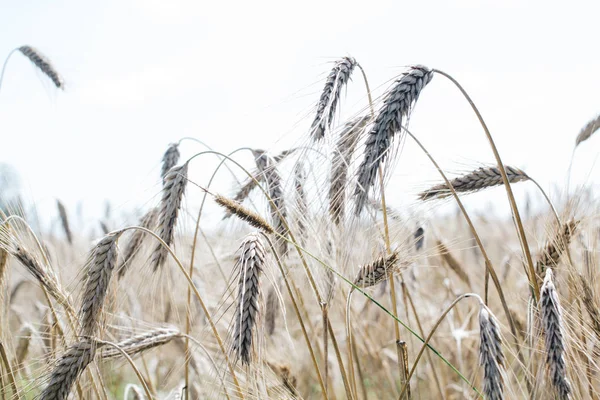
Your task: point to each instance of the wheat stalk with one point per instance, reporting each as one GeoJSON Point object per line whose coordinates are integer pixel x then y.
{"type": "Point", "coordinates": [103, 260]}
{"type": "Point", "coordinates": [134, 244]}
{"type": "Point", "coordinates": [554, 337]}
{"type": "Point", "coordinates": [64, 219]}
{"type": "Point", "coordinates": [481, 178]}
{"type": "Point", "coordinates": [169, 160]}
{"type": "Point", "coordinates": [172, 195]}
{"type": "Point", "coordinates": [377, 271]}
{"type": "Point", "coordinates": [397, 105]}
{"type": "Point", "coordinates": [340, 161]}
{"type": "Point", "coordinates": [491, 357]}
{"type": "Point", "coordinates": [140, 343]}
{"type": "Point", "coordinates": [588, 130]}
{"type": "Point", "coordinates": [250, 263]}
{"type": "Point", "coordinates": [43, 63]}
{"type": "Point", "coordinates": [330, 96]}
{"type": "Point", "coordinates": [68, 368]}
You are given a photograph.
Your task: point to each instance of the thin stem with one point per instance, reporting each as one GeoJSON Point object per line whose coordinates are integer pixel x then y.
{"type": "Point", "coordinates": [511, 198]}
{"type": "Point", "coordinates": [296, 309]}
{"type": "Point", "coordinates": [131, 363]}
{"type": "Point", "coordinates": [11, 376]}
{"type": "Point", "coordinates": [212, 361]}
{"type": "Point", "coordinates": [5, 64]}
{"type": "Point", "coordinates": [433, 330]}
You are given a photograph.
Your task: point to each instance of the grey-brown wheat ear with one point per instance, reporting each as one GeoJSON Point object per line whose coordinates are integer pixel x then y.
{"type": "Point", "coordinates": [42, 62]}
{"type": "Point", "coordinates": [250, 263]}
{"type": "Point", "coordinates": [99, 273]}
{"type": "Point", "coordinates": [330, 96]}
{"type": "Point", "coordinates": [377, 271]}
{"type": "Point", "coordinates": [66, 371]}
{"type": "Point", "coordinates": [136, 241]}
{"type": "Point", "coordinates": [491, 357]}
{"type": "Point", "coordinates": [481, 178]}
{"type": "Point", "coordinates": [169, 160]}
{"type": "Point", "coordinates": [172, 196]}
{"type": "Point", "coordinates": [588, 130]}
{"type": "Point", "coordinates": [554, 337]}
{"type": "Point", "coordinates": [397, 105]}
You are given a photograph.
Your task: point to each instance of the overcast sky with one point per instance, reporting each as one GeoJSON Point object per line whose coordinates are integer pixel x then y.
{"type": "Point", "coordinates": [141, 74]}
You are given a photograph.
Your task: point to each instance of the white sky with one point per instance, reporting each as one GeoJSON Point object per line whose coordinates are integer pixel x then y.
{"type": "Point", "coordinates": [141, 74]}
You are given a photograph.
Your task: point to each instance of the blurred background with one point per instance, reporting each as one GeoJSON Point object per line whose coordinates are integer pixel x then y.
{"type": "Point", "coordinates": [142, 74]}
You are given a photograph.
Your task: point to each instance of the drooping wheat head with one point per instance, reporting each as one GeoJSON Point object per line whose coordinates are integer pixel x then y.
{"type": "Point", "coordinates": [330, 96]}
{"type": "Point", "coordinates": [136, 240]}
{"type": "Point", "coordinates": [481, 178]}
{"type": "Point", "coordinates": [244, 214]}
{"type": "Point", "coordinates": [169, 160]}
{"type": "Point", "coordinates": [378, 270]}
{"type": "Point", "coordinates": [43, 63]}
{"type": "Point", "coordinates": [250, 264]}
{"type": "Point", "coordinates": [64, 219]}
{"type": "Point", "coordinates": [397, 105]}
{"type": "Point", "coordinates": [588, 130]}
{"type": "Point", "coordinates": [140, 343]}
{"type": "Point", "coordinates": [172, 196]}
{"type": "Point", "coordinates": [491, 357]}
{"type": "Point", "coordinates": [551, 313]}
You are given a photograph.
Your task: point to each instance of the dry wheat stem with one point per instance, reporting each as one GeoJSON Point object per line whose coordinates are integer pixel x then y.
{"type": "Point", "coordinates": [330, 96]}
{"type": "Point", "coordinates": [250, 264]}
{"type": "Point", "coordinates": [9, 370]}
{"type": "Point", "coordinates": [99, 272]}
{"type": "Point", "coordinates": [172, 196]}
{"type": "Point", "coordinates": [397, 106]}
{"type": "Point", "coordinates": [68, 368]}
{"type": "Point", "coordinates": [481, 178]}
{"type": "Point", "coordinates": [554, 338]}
{"type": "Point", "coordinates": [169, 160]}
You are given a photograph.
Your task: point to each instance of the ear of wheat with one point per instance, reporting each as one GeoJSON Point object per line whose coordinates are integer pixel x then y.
{"type": "Point", "coordinates": [481, 178]}
{"type": "Point", "coordinates": [397, 106]}
{"type": "Point", "coordinates": [42, 62]}
{"type": "Point", "coordinates": [172, 196]}
{"type": "Point", "coordinates": [99, 273]}
{"type": "Point", "coordinates": [68, 368]}
{"type": "Point", "coordinates": [554, 337]}
{"type": "Point", "coordinates": [136, 241]}
{"type": "Point", "coordinates": [588, 130]}
{"type": "Point", "coordinates": [64, 219]}
{"type": "Point", "coordinates": [169, 160]}
{"type": "Point", "coordinates": [250, 263]}
{"type": "Point", "coordinates": [550, 256]}
{"type": "Point", "coordinates": [419, 236]}
{"type": "Point", "coordinates": [491, 357]}
{"type": "Point", "coordinates": [453, 263]}
{"type": "Point", "coordinates": [340, 162]}
{"type": "Point", "coordinates": [140, 343]}
{"type": "Point", "coordinates": [244, 214]}
{"type": "Point", "coordinates": [327, 105]}
{"type": "Point", "coordinates": [377, 271]}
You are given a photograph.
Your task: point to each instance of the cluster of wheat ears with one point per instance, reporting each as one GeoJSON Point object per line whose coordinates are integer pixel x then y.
{"type": "Point", "coordinates": [332, 293]}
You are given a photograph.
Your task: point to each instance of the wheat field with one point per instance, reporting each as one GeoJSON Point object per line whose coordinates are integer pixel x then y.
{"type": "Point", "coordinates": [309, 285]}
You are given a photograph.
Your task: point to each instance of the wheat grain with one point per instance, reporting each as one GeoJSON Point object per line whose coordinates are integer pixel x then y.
{"type": "Point", "coordinates": [103, 260]}
{"type": "Point", "coordinates": [551, 314]}
{"type": "Point", "coordinates": [42, 62]}
{"type": "Point", "coordinates": [555, 247]}
{"type": "Point", "coordinates": [172, 195]}
{"type": "Point", "coordinates": [397, 105]}
{"type": "Point", "coordinates": [250, 264]}
{"type": "Point", "coordinates": [330, 96]}
{"type": "Point", "coordinates": [481, 178]}
{"type": "Point", "coordinates": [68, 368]}
{"type": "Point", "coordinates": [491, 357]}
